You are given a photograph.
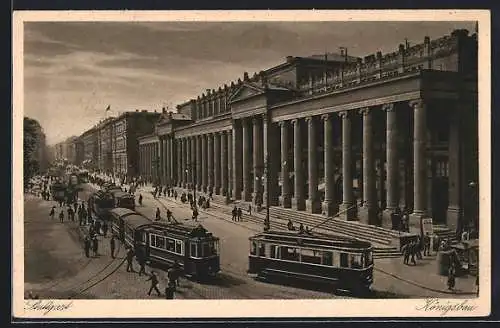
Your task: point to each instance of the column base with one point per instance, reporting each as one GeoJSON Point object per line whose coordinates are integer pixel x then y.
{"type": "Point", "coordinates": [299, 204]}
{"type": "Point", "coordinates": [415, 219]}
{"type": "Point", "coordinates": [368, 215]}
{"type": "Point", "coordinates": [453, 217]}
{"type": "Point", "coordinates": [255, 198]}
{"type": "Point", "coordinates": [285, 201]}
{"type": "Point", "coordinates": [223, 192]}
{"type": "Point", "coordinates": [217, 190]}
{"type": "Point", "coordinates": [328, 208]}
{"type": "Point", "coordinates": [348, 213]}
{"type": "Point", "coordinates": [313, 206]}
{"type": "Point", "coordinates": [387, 218]}
{"type": "Point", "coordinates": [236, 194]}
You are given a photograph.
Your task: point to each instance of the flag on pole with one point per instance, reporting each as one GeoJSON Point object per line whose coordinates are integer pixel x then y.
{"type": "Point", "coordinates": [108, 108]}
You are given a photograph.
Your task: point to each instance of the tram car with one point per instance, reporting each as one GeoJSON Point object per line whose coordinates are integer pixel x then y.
{"type": "Point", "coordinates": [101, 203]}
{"type": "Point", "coordinates": [123, 199]}
{"type": "Point", "coordinates": [194, 248]}
{"type": "Point", "coordinates": [338, 262]}
{"type": "Point", "coordinates": [58, 191]}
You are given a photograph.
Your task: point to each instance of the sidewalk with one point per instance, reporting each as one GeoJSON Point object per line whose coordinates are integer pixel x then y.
{"type": "Point", "coordinates": [389, 273]}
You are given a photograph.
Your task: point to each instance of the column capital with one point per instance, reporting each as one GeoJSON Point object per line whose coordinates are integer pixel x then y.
{"type": "Point", "coordinates": [388, 107]}
{"type": "Point", "coordinates": [344, 114]}
{"type": "Point", "coordinates": [295, 121]}
{"type": "Point", "coordinates": [282, 123]}
{"type": "Point", "coordinates": [310, 119]}
{"type": "Point", "coordinates": [265, 117]}
{"type": "Point", "coordinates": [416, 103]}
{"type": "Point", "coordinates": [326, 117]}
{"type": "Point", "coordinates": [364, 111]}
{"type": "Point", "coordinates": [255, 120]}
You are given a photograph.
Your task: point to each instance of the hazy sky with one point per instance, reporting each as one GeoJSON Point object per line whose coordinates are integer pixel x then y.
{"type": "Point", "coordinates": [74, 70]}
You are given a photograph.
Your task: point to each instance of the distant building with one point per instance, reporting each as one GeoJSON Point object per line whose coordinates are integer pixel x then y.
{"type": "Point", "coordinates": [90, 148]}
{"type": "Point", "coordinates": [127, 128]}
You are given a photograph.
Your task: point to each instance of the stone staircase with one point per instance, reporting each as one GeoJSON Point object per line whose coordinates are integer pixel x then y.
{"type": "Point", "coordinates": [382, 242]}
{"type": "Point", "coordinates": [443, 232]}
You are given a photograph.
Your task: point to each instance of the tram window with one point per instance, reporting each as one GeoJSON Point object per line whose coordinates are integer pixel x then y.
{"type": "Point", "coordinates": [289, 253]}
{"type": "Point", "coordinates": [310, 256]}
{"type": "Point", "coordinates": [369, 258]}
{"type": "Point", "coordinates": [275, 252]}
{"type": "Point", "coordinates": [216, 247]}
{"type": "Point", "coordinates": [262, 249]}
{"type": "Point", "coordinates": [356, 261]}
{"type": "Point", "coordinates": [170, 245]}
{"type": "Point", "coordinates": [326, 258]}
{"type": "Point", "coordinates": [178, 247]}
{"type": "Point", "coordinates": [344, 263]}
{"type": "Point", "coordinates": [207, 250]}
{"type": "Point", "coordinates": [198, 250]}
{"type": "Point", "coordinates": [253, 248]}
{"type": "Point", "coordinates": [193, 250]}
{"type": "Point", "coordinates": [160, 242]}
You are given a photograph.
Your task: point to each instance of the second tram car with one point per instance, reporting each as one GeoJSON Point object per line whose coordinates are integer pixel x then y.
{"type": "Point", "coordinates": [123, 199]}
{"type": "Point", "coordinates": [339, 262]}
{"type": "Point", "coordinates": [194, 248]}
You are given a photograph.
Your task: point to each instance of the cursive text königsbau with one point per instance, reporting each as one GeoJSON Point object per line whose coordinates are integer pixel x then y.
{"type": "Point", "coordinates": [446, 306]}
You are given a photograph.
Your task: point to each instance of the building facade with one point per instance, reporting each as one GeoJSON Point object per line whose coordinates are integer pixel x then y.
{"type": "Point", "coordinates": [128, 127]}
{"type": "Point", "coordinates": [90, 148]}
{"type": "Point", "coordinates": [358, 137]}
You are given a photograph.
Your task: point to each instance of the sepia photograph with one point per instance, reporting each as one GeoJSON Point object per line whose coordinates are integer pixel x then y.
{"type": "Point", "coordinates": [276, 156]}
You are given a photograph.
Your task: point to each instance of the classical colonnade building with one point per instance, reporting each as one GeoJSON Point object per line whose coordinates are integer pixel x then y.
{"type": "Point", "coordinates": [335, 133]}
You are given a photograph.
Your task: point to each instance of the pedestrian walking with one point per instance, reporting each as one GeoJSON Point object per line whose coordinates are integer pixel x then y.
{"type": "Point", "coordinates": [239, 214]}
{"type": "Point", "coordinates": [169, 215]}
{"type": "Point", "coordinates": [427, 244]}
{"type": "Point", "coordinates": [249, 209]}
{"type": "Point", "coordinates": [52, 212]}
{"type": "Point", "coordinates": [71, 214]}
{"type": "Point", "coordinates": [130, 257]}
{"type": "Point", "coordinates": [140, 199]}
{"type": "Point", "coordinates": [418, 248]}
{"type": "Point", "coordinates": [75, 206]}
{"type": "Point", "coordinates": [234, 213]}
{"type": "Point", "coordinates": [112, 246]}
{"type": "Point", "coordinates": [86, 246]}
{"type": "Point", "coordinates": [451, 276]}
{"type": "Point", "coordinates": [169, 291]}
{"type": "Point", "coordinates": [154, 283]}
{"type": "Point", "coordinates": [105, 229]}
{"type": "Point", "coordinates": [413, 246]}
{"type": "Point", "coordinates": [95, 245]}
{"type": "Point", "coordinates": [61, 216]}
{"type": "Point", "coordinates": [406, 253]}
{"type": "Point", "coordinates": [195, 214]}
{"type": "Point", "coordinates": [158, 214]}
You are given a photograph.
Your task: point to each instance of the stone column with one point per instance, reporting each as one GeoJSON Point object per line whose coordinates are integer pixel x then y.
{"type": "Point", "coordinates": [368, 213]}
{"type": "Point", "coordinates": [204, 162]}
{"type": "Point", "coordinates": [199, 162]}
{"type": "Point", "coordinates": [299, 183]}
{"type": "Point", "coordinates": [189, 180]}
{"type": "Point", "coordinates": [172, 160]}
{"type": "Point", "coordinates": [165, 160]}
{"type": "Point", "coordinates": [455, 155]}
{"type": "Point", "coordinates": [247, 161]}
{"type": "Point", "coordinates": [258, 164]}
{"type": "Point", "coordinates": [230, 168]}
{"type": "Point", "coordinates": [312, 202]}
{"type": "Point", "coordinates": [224, 165]}
{"type": "Point", "coordinates": [285, 200]}
{"type": "Point", "coordinates": [179, 162]}
{"type": "Point", "coordinates": [183, 162]}
{"type": "Point", "coordinates": [392, 199]}
{"type": "Point", "coordinates": [161, 158]}
{"type": "Point", "coordinates": [265, 159]}
{"type": "Point", "coordinates": [192, 163]}
{"type": "Point", "coordinates": [329, 205]}
{"type": "Point", "coordinates": [237, 159]}
{"type": "Point", "coordinates": [419, 164]}
{"type": "Point", "coordinates": [210, 137]}
{"type": "Point", "coordinates": [217, 161]}
{"type": "Point", "coordinates": [348, 207]}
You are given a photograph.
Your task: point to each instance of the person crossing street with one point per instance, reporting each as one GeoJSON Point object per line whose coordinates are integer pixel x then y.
{"type": "Point", "coordinates": [154, 283]}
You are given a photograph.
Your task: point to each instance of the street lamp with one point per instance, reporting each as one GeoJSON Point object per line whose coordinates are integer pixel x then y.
{"type": "Point", "coordinates": [266, 177]}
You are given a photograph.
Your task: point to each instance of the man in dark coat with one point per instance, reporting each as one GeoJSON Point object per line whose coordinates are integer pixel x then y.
{"type": "Point", "coordinates": [86, 246]}
{"type": "Point", "coordinates": [112, 246]}
{"type": "Point", "coordinates": [130, 257]}
{"type": "Point", "coordinates": [154, 283]}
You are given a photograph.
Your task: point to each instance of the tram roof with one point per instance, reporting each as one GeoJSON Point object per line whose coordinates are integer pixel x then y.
{"type": "Point", "coordinates": [182, 229]}
{"type": "Point", "coordinates": [311, 239]}
{"type": "Point", "coordinates": [121, 194]}
{"type": "Point", "coordinates": [120, 211]}
{"type": "Point", "coordinates": [136, 220]}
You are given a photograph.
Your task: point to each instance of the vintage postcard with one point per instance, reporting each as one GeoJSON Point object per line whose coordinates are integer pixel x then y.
{"type": "Point", "coordinates": [218, 164]}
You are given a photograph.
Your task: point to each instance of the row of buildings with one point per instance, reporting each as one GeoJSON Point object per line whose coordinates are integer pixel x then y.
{"type": "Point", "coordinates": [111, 146]}
{"type": "Point", "coordinates": [322, 134]}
